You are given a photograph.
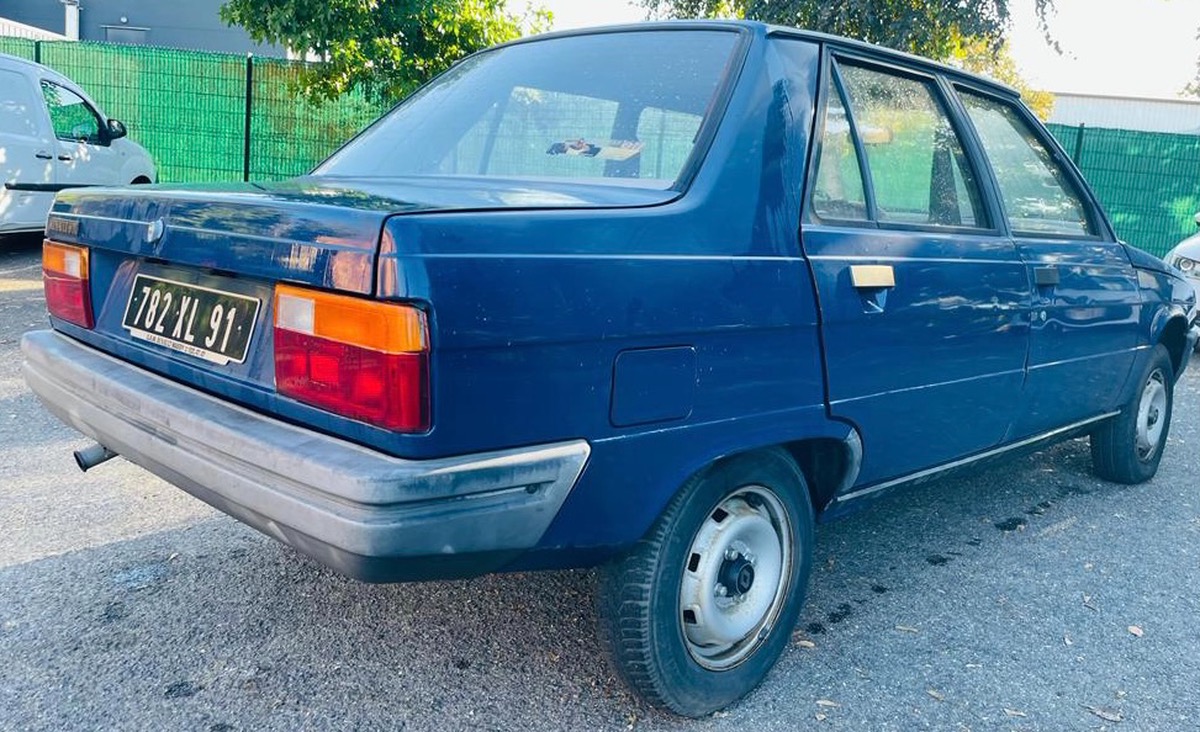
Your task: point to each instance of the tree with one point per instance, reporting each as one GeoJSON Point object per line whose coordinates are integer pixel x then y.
{"type": "Point", "coordinates": [385, 47]}
{"type": "Point", "coordinates": [978, 57]}
{"type": "Point", "coordinates": [931, 28]}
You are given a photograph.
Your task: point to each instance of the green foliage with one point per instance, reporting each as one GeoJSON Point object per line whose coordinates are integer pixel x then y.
{"type": "Point", "coordinates": [980, 57]}
{"type": "Point", "coordinates": [926, 27]}
{"type": "Point", "coordinates": [385, 47]}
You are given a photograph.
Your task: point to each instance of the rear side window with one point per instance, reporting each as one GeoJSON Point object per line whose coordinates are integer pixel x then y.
{"type": "Point", "coordinates": [17, 106]}
{"type": "Point", "coordinates": [918, 170]}
{"type": "Point", "coordinates": [1039, 196]}
{"type": "Point", "coordinates": [839, 193]}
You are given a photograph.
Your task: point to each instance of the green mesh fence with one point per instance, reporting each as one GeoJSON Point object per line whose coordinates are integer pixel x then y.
{"type": "Point", "coordinates": [189, 108]}
{"type": "Point", "coordinates": [1149, 182]}
{"type": "Point", "coordinates": [289, 135]}
{"type": "Point", "coordinates": [19, 47]}
{"type": "Point", "coordinates": [186, 108]}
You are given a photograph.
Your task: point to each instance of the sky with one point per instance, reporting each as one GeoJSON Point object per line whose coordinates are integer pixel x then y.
{"type": "Point", "coordinates": [1140, 48]}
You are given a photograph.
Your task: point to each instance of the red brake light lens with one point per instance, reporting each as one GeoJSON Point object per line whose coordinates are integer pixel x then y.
{"type": "Point", "coordinates": [362, 359]}
{"type": "Point", "coordinates": [65, 280]}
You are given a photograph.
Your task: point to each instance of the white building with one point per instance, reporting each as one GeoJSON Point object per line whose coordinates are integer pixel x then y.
{"type": "Point", "coordinates": [19, 30]}
{"type": "Point", "coordinates": [1127, 113]}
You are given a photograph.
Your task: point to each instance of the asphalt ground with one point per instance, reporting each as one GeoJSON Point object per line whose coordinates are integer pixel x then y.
{"type": "Point", "coordinates": [1027, 596]}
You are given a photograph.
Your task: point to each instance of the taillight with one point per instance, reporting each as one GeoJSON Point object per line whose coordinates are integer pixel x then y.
{"type": "Point", "coordinates": [65, 279]}
{"type": "Point", "coordinates": [362, 359]}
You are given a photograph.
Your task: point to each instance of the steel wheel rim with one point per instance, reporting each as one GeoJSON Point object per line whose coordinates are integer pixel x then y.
{"type": "Point", "coordinates": [726, 611]}
{"type": "Point", "coordinates": [1151, 415]}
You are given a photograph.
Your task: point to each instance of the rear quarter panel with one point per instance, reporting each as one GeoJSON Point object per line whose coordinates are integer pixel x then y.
{"type": "Point", "coordinates": [531, 312]}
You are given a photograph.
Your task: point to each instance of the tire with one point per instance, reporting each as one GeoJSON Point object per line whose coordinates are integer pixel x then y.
{"type": "Point", "coordinates": [1128, 448]}
{"type": "Point", "coordinates": [676, 639]}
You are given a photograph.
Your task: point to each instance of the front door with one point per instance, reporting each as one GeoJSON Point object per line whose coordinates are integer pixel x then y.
{"type": "Point", "coordinates": [924, 300]}
{"type": "Point", "coordinates": [1085, 314]}
{"type": "Point", "coordinates": [83, 153]}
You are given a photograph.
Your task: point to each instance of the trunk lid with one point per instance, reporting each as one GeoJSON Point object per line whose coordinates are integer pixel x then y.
{"type": "Point", "coordinates": [182, 278]}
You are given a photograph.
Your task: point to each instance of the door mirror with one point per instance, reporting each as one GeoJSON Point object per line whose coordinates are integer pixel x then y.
{"type": "Point", "coordinates": [116, 129]}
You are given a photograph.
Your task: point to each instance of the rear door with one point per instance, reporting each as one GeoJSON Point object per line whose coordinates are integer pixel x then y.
{"type": "Point", "coordinates": [1085, 302]}
{"type": "Point", "coordinates": [923, 298]}
{"type": "Point", "coordinates": [26, 159]}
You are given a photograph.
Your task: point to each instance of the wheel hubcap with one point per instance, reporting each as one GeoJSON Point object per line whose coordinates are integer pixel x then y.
{"type": "Point", "coordinates": [1151, 417]}
{"type": "Point", "coordinates": [736, 577]}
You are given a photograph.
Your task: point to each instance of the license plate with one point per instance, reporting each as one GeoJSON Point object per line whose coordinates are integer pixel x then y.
{"type": "Point", "coordinates": [199, 321]}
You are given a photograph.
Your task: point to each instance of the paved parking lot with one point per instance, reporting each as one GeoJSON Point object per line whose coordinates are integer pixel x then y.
{"type": "Point", "coordinates": [1028, 596]}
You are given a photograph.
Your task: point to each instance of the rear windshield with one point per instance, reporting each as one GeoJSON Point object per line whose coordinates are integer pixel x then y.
{"type": "Point", "coordinates": [628, 105]}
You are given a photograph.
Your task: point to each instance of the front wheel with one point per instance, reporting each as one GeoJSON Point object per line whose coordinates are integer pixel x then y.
{"type": "Point", "coordinates": [1129, 447]}
{"type": "Point", "coordinates": [698, 612]}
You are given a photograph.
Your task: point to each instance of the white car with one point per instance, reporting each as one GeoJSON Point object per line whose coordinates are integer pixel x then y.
{"type": "Point", "coordinates": [53, 136]}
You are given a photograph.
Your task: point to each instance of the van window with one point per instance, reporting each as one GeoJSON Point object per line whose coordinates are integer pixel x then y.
{"type": "Point", "coordinates": [72, 118]}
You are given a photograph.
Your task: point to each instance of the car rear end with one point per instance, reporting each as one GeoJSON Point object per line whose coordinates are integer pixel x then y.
{"type": "Point", "coordinates": [233, 363]}
{"type": "Point", "coordinates": [380, 364]}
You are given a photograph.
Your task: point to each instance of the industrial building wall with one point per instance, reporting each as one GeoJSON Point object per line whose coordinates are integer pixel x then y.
{"type": "Point", "coordinates": [194, 24]}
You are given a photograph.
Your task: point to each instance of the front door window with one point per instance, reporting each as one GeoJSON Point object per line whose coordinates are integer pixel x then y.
{"type": "Point", "coordinates": [1039, 197]}
{"type": "Point", "coordinates": [73, 119]}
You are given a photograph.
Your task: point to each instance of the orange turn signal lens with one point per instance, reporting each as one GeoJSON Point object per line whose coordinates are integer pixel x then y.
{"type": "Point", "coordinates": [65, 259]}
{"type": "Point", "coordinates": [65, 280]}
{"type": "Point", "coordinates": [379, 326]}
{"type": "Point", "coordinates": [362, 359]}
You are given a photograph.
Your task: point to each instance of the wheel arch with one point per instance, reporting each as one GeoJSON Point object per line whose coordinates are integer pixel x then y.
{"type": "Point", "coordinates": [1174, 338]}
{"type": "Point", "coordinates": [829, 465]}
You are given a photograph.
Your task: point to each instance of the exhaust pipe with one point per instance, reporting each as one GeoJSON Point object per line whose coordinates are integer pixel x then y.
{"type": "Point", "coordinates": [90, 457]}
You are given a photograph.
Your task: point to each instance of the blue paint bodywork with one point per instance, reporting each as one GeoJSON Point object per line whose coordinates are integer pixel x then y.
{"type": "Point", "coordinates": [668, 328]}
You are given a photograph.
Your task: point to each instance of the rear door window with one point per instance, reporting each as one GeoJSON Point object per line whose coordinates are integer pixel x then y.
{"type": "Point", "coordinates": [918, 171]}
{"type": "Point", "coordinates": [839, 193]}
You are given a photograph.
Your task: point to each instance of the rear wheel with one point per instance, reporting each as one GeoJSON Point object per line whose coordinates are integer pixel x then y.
{"type": "Point", "coordinates": [698, 612]}
{"type": "Point", "coordinates": [1129, 447]}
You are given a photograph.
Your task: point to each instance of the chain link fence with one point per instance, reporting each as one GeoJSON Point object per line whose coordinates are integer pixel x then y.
{"type": "Point", "coordinates": [206, 117]}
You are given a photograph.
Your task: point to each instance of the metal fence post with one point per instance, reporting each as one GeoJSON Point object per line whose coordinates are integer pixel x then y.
{"type": "Point", "coordinates": [1078, 156]}
{"type": "Point", "coordinates": [249, 109]}
{"type": "Point", "coordinates": [37, 52]}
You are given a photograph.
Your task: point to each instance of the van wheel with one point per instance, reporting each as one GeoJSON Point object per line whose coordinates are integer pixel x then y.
{"type": "Point", "coordinates": [700, 609]}
{"type": "Point", "coordinates": [1128, 448]}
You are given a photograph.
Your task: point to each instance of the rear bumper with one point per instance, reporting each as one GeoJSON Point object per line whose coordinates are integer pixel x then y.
{"type": "Point", "coordinates": [360, 512]}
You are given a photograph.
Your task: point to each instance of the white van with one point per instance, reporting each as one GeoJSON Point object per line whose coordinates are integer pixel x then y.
{"type": "Point", "coordinates": [53, 136]}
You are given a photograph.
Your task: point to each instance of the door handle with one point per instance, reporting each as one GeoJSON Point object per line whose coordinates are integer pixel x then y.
{"type": "Point", "coordinates": [65, 158]}
{"type": "Point", "coordinates": [1046, 276]}
{"type": "Point", "coordinates": [870, 276]}
{"type": "Point", "coordinates": [42, 155]}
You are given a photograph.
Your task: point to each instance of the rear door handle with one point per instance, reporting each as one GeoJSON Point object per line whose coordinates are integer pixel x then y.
{"type": "Point", "coordinates": [1046, 276]}
{"type": "Point", "coordinates": [42, 155]}
{"type": "Point", "coordinates": [65, 158]}
{"type": "Point", "coordinates": [872, 276]}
